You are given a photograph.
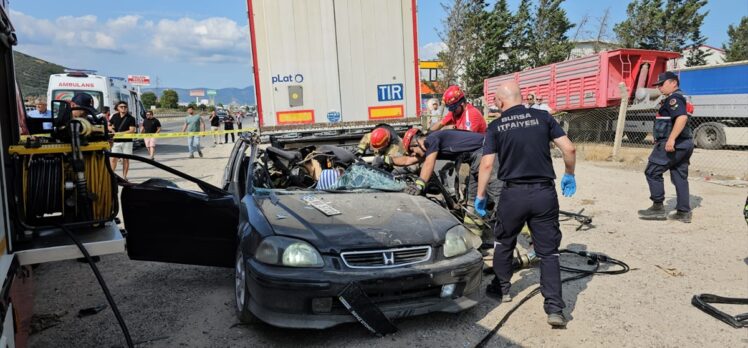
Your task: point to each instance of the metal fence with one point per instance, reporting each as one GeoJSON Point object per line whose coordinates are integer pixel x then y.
{"type": "Point", "coordinates": [721, 142]}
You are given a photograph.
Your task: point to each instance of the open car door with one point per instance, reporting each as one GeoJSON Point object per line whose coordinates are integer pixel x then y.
{"type": "Point", "coordinates": [170, 224]}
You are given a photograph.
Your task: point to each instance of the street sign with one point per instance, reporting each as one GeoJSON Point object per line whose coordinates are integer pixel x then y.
{"type": "Point", "coordinates": [212, 92]}
{"type": "Point", "coordinates": [197, 93]}
{"type": "Point", "coordinates": [390, 92]}
{"type": "Point", "coordinates": [139, 80]}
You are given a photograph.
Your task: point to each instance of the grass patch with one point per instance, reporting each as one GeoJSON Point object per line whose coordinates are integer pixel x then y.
{"type": "Point", "coordinates": [602, 152]}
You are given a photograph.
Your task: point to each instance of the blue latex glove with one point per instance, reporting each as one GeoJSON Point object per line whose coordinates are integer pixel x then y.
{"type": "Point", "coordinates": [568, 185]}
{"type": "Point", "coordinates": [480, 206]}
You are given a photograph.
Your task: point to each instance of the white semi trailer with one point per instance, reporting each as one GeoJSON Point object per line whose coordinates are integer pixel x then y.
{"type": "Point", "coordinates": [330, 69]}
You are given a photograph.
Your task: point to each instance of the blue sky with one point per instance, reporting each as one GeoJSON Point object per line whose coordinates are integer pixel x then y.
{"type": "Point", "coordinates": [198, 43]}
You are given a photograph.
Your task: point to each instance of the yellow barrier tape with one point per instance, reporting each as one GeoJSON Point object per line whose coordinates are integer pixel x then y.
{"type": "Point", "coordinates": [161, 135]}
{"type": "Point", "coordinates": [180, 134]}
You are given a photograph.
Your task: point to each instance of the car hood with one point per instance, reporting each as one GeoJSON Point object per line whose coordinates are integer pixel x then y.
{"type": "Point", "coordinates": [366, 220]}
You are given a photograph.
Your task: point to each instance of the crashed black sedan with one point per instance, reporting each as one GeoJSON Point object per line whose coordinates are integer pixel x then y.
{"type": "Point", "coordinates": [298, 250]}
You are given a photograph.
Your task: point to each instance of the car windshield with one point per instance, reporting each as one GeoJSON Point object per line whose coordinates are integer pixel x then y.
{"type": "Point", "coordinates": [67, 95]}
{"type": "Point", "coordinates": [362, 177]}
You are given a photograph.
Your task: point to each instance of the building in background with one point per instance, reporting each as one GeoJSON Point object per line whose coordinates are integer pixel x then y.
{"type": "Point", "coordinates": [714, 56]}
{"type": "Point", "coordinates": [432, 80]}
{"type": "Point", "coordinates": [588, 48]}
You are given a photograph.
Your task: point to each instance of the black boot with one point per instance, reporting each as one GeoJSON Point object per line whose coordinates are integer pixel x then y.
{"type": "Point", "coordinates": [494, 290]}
{"type": "Point", "coordinates": [682, 216]}
{"type": "Point", "coordinates": [655, 212]}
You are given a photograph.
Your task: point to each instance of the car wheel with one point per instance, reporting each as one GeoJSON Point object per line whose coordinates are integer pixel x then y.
{"type": "Point", "coordinates": [241, 292]}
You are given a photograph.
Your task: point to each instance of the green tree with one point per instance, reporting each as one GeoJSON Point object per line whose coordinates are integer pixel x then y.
{"type": "Point", "coordinates": [737, 45]}
{"type": "Point", "coordinates": [148, 99]}
{"type": "Point", "coordinates": [550, 44]}
{"type": "Point", "coordinates": [641, 26]}
{"type": "Point", "coordinates": [478, 64]}
{"type": "Point", "coordinates": [520, 39]}
{"type": "Point", "coordinates": [491, 57]}
{"type": "Point", "coordinates": [696, 56]}
{"type": "Point", "coordinates": [453, 39]}
{"type": "Point", "coordinates": [671, 25]}
{"type": "Point", "coordinates": [169, 99]}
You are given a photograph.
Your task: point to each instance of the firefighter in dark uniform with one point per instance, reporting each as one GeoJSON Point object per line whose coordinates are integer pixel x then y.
{"type": "Point", "coordinates": [672, 151]}
{"type": "Point", "coordinates": [520, 139]}
{"type": "Point", "coordinates": [451, 145]}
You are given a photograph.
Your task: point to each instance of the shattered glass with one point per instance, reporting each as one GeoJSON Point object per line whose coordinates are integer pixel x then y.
{"type": "Point", "coordinates": [363, 177]}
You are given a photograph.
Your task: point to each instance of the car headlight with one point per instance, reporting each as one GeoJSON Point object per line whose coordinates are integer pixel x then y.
{"type": "Point", "coordinates": [457, 241]}
{"type": "Point", "coordinates": [289, 252]}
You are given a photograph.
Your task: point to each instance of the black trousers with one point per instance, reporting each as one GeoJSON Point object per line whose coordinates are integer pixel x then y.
{"type": "Point", "coordinates": [536, 205]}
{"type": "Point", "coordinates": [227, 134]}
{"type": "Point", "coordinates": [661, 161]}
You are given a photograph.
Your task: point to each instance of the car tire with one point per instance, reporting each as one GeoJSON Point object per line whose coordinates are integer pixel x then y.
{"type": "Point", "coordinates": [241, 291]}
{"type": "Point", "coordinates": [710, 136]}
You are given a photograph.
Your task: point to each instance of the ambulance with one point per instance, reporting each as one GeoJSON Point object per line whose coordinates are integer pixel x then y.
{"type": "Point", "coordinates": [106, 91]}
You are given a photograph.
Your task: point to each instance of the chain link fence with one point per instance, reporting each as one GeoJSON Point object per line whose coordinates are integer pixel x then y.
{"type": "Point", "coordinates": [721, 141]}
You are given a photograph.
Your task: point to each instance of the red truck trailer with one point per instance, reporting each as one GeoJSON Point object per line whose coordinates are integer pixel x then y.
{"type": "Point", "coordinates": [588, 82]}
{"type": "Point", "coordinates": [586, 89]}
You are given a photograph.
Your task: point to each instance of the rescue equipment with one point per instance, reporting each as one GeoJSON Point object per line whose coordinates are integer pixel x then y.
{"type": "Point", "coordinates": [64, 178]}
{"type": "Point", "coordinates": [703, 301]}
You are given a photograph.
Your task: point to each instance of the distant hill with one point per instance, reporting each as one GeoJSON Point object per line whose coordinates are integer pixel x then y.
{"type": "Point", "coordinates": [224, 95]}
{"type": "Point", "coordinates": [33, 74]}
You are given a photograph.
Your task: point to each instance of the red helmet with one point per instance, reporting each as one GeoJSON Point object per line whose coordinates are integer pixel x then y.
{"type": "Point", "coordinates": [409, 137]}
{"type": "Point", "coordinates": [452, 95]}
{"type": "Point", "coordinates": [380, 137]}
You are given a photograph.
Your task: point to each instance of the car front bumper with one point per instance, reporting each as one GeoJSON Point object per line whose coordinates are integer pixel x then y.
{"type": "Point", "coordinates": [307, 298]}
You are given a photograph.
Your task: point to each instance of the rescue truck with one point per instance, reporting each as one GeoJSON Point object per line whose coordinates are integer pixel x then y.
{"type": "Point", "coordinates": [333, 69]}
{"type": "Point", "coordinates": [57, 201]}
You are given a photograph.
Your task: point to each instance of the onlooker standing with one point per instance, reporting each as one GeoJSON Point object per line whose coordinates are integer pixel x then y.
{"type": "Point", "coordinates": [215, 122]}
{"type": "Point", "coordinates": [122, 122]}
{"type": "Point", "coordinates": [107, 116]}
{"type": "Point", "coordinates": [435, 112]}
{"type": "Point", "coordinates": [239, 119]}
{"type": "Point", "coordinates": [151, 125]}
{"type": "Point", "coordinates": [41, 110]}
{"type": "Point", "coordinates": [529, 100]}
{"type": "Point", "coordinates": [106, 113]}
{"type": "Point", "coordinates": [541, 106]}
{"type": "Point", "coordinates": [228, 124]}
{"type": "Point", "coordinates": [193, 123]}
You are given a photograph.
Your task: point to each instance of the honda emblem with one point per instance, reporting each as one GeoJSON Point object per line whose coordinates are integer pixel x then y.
{"type": "Point", "coordinates": [389, 258]}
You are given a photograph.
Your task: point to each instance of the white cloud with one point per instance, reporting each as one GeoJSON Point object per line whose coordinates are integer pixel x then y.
{"type": "Point", "coordinates": [429, 50]}
{"type": "Point", "coordinates": [211, 40]}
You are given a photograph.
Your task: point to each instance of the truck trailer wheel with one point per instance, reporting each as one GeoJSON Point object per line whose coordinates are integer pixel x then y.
{"type": "Point", "coordinates": [241, 291]}
{"type": "Point", "coordinates": [710, 136]}
{"type": "Point", "coordinates": [635, 137]}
